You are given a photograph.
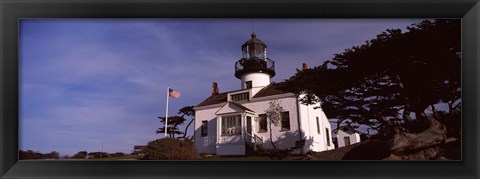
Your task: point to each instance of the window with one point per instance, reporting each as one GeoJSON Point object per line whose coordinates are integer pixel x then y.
{"type": "Point", "coordinates": [248, 84]}
{"type": "Point", "coordinates": [262, 123]}
{"type": "Point", "coordinates": [328, 136]}
{"type": "Point", "coordinates": [240, 97]}
{"type": "Point", "coordinates": [231, 125]}
{"type": "Point", "coordinates": [318, 125]}
{"type": "Point", "coordinates": [204, 128]}
{"type": "Point", "coordinates": [285, 121]}
{"type": "Point", "coordinates": [346, 140]}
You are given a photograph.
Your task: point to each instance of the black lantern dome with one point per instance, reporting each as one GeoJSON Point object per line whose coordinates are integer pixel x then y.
{"type": "Point", "coordinates": [254, 58]}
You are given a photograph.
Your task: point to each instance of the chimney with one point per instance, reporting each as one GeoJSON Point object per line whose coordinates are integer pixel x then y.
{"type": "Point", "coordinates": [304, 67]}
{"type": "Point", "coordinates": [214, 88]}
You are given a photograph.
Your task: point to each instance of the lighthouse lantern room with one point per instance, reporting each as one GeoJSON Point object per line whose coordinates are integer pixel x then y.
{"type": "Point", "coordinates": [254, 69]}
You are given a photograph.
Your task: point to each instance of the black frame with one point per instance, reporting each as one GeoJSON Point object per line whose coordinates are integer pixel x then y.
{"type": "Point", "coordinates": [11, 11]}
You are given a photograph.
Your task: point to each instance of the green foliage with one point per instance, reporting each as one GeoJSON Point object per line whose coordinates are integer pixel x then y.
{"type": "Point", "coordinates": [452, 122]}
{"type": "Point", "coordinates": [52, 155]}
{"type": "Point", "coordinates": [274, 116]}
{"type": "Point", "coordinates": [117, 154]}
{"type": "Point", "coordinates": [274, 112]}
{"type": "Point", "coordinates": [170, 149]}
{"type": "Point", "coordinates": [29, 154]}
{"type": "Point", "coordinates": [172, 128]}
{"type": "Point", "coordinates": [187, 111]}
{"type": "Point", "coordinates": [175, 121]}
{"type": "Point", "coordinates": [190, 112]}
{"type": "Point", "coordinates": [80, 155]}
{"type": "Point", "coordinates": [136, 153]}
{"type": "Point", "coordinates": [98, 155]}
{"type": "Point", "coordinates": [381, 82]}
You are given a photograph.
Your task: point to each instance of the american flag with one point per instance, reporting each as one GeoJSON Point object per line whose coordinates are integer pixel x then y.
{"type": "Point", "coordinates": [173, 93]}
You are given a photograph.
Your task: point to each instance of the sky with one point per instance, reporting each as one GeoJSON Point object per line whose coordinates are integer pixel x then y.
{"type": "Point", "coordinates": [99, 84]}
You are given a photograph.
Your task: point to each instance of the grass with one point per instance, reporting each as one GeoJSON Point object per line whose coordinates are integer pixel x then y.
{"type": "Point", "coordinates": [212, 158]}
{"type": "Point", "coordinates": [259, 157]}
{"type": "Point", "coordinates": [126, 157]}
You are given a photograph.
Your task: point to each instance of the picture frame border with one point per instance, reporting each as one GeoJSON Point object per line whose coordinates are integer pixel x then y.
{"type": "Point", "coordinates": [11, 12]}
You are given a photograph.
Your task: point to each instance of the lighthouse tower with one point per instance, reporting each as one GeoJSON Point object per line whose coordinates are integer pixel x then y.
{"type": "Point", "coordinates": [254, 69]}
{"type": "Point", "coordinates": [235, 123]}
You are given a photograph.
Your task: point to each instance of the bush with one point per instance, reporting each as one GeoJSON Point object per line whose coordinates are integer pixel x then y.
{"type": "Point", "coordinates": [117, 154]}
{"type": "Point", "coordinates": [97, 155]}
{"type": "Point", "coordinates": [29, 154]}
{"type": "Point", "coordinates": [80, 155]}
{"type": "Point", "coordinates": [136, 153]}
{"type": "Point", "coordinates": [52, 155]}
{"type": "Point", "coordinates": [170, 149]}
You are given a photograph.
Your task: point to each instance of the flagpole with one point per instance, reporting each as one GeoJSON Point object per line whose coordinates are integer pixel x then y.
{"type": "Point", "coordinates": [166, 112]}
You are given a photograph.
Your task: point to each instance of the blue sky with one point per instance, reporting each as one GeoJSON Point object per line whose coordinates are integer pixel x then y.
{"type": "Point", "coordinates": [85, 82]}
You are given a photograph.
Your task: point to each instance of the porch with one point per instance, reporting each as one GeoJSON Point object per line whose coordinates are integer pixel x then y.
{"type": "Point", "coordinates": [235, 126]}
{"type": "Point", "coordinates": [243, 144]}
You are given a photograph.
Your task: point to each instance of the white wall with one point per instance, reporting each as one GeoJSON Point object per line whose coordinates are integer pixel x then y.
{"type": "Point", "coordinates": [206, 144]}
{"type": "Point", "coordinates": [318, 140]}
{"type": "Point", "coordinates": [235, 149]}
{"type": "Point", "coordinates": [354, 137]}
{"type": "Point", "coordinates": [282, 139]}
{"type": "Point", "coordinates": [327, 125]}
{"type": "Point", "coordinates": [258, 79]}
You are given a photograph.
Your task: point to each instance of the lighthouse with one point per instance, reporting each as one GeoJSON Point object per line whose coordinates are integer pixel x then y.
{"type": "Point", "coordinates": [254, 69]}
{"type": "Point", "coordinates": [235, 122]}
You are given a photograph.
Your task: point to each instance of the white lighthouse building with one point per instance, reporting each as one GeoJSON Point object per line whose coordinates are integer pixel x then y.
{"type": "Point", "coordinates": [235, 123]}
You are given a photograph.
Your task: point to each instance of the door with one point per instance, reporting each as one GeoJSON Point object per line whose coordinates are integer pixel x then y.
{"type": "Point", "coordinates": [249, 124]}
{"type": "Point", "coordinates": [347, 141]}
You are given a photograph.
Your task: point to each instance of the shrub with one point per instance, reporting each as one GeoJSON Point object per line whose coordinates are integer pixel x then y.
{"type": "Point", "coordinates": [117, 154]}
{"type": "Point", "coordinates": [170, 149]}
{"type": "Point", "coordinates": [29, 154]}
{"type": "Point", "coordinates": [80, 155]}
{"type": "Point", "coordinates": [52, 155]}
{"type": "Point", "coordinates": [97, 155]}
{"type": "Point", "coordinates": [136, 153]}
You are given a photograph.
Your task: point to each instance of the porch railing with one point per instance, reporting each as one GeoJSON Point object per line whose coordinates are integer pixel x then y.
{"type": "Point", "coordinates": [258, 140]}
{"type": "Point", "coordinates": [253, 139]}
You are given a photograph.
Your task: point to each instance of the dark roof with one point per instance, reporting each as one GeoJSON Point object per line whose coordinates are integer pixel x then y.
{"type": "Point", "coordinates": [254, 40]}
{"type": "Point", "coordinates": [241, 107]}
{"type": "Point", "coordinates": [214, 99]}
{"type": "Point", "coordinates": [270, 90]}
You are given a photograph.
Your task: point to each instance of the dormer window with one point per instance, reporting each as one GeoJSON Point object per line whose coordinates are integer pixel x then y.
{"type": "Point", "coordinates": [240, 97]}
